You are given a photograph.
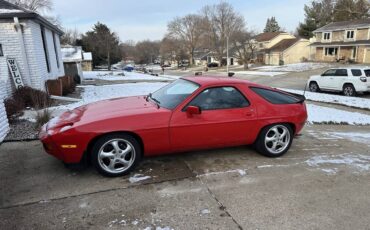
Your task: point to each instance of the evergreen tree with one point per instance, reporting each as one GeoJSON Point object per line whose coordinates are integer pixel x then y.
{"type": "Point", "coordinates": [272, 25]}
{"type": "Point", "coordinates": [103, 43]}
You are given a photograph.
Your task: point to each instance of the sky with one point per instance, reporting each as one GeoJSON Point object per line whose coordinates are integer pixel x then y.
{"type": "Point", "coordinates": [147, 19]}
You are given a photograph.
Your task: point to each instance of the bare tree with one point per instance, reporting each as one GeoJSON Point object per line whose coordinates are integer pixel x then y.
{"type": "Point", "coordinates": [146, 51]}
{"type": "Point", "coordinates": [34, 5]}
{"type": "Point", "coordinates": [222, 22]}
{"type": "Point", "coordinates": [173, 50]}
{"type": "Point", "coordinates": [244, 46]}
{"type": "Point", "coordinates": [70, 37]}
{"type": "Point", "coordinates": [128, 51]}
{"type": "Point", "coordinates": [189, 30]}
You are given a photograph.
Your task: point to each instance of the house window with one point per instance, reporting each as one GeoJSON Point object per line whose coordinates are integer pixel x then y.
{"type": "Point", "coordinates": [1, 50]}
{"type": "Point", "coordinates": [327, 36]}
{"type": "Point", "coordinates": [56, 50]}
{"type": "Point", "coordinates": [44, 43]}
{"type": "Point", "coordinates": [331, 51]}
{"type": "Point", "coordinates": [350, 34]}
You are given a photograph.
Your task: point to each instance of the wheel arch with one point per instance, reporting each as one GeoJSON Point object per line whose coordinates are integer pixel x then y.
{"type": "Point", "coordinates": [87, 153]}
{"type": "Point", "coordinates": [291, 125]}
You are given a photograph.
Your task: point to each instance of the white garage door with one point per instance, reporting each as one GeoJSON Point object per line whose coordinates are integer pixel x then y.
{"type": "Point", "coordinates": [4, 125]}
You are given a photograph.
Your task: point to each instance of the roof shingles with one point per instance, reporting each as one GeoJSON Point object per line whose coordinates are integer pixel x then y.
{"type": "Point", "coordinates": [345, 25]}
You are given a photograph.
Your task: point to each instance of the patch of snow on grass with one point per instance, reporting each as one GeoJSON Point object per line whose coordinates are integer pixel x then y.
{"type": "Point", "coordinates": [204, 212]}
{"type": "Point", "coordinates": [121, 75]}
{"type": "Point", "coordinates": [260, 73]}
{"type": "Point", "coordinates": [356, 161]}
{"type": "Point", "coordinates": [324, 115]}
{"type": "Point", "coordinates": [138, 177]}
{"type": "Point", "coordinates": [297, 67]}
{"type": "Point", "coordinates": [356, 102]}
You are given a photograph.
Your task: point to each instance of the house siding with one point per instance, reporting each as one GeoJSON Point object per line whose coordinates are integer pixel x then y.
{"type": "Point", "coordinates": [36, 73]}
{"type": "Point", "coordinates": [297, 52]}
{"type": "Point", "coordinates": [4, 125]}
{"type": "Point", "coordinates": [362, 34]}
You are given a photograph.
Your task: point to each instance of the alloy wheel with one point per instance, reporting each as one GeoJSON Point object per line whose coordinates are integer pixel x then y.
{"type": "Point", "coordinates": [116, 155]}
{"type": "Point", "coordinates": [277, 139]}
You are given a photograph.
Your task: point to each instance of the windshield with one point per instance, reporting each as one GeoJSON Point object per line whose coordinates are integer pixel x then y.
{"type": "Point", "coordinates": [173, 94]}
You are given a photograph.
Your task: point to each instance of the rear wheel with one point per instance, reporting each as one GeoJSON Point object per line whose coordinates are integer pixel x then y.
{"type": "Point", "coordinates": [349, 90]}
{"type": "Point", "coordinates": [314, 87]}
{"type": "Point", "coordinates": [116, 155]}
{"type": "Point", "coordinates": [274, 140]}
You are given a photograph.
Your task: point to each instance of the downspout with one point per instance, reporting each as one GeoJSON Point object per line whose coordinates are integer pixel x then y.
{"type": "Point", "coordinates": [18, 29]}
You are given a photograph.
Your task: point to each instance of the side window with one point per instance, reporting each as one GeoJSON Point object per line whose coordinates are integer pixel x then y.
{"type": "Point", "coordinates": [275, 97]}
{"type": "Point", "coordinates": [330, 72]}
{"type": "Point", "coordinates": [220, 98]}
{"type": "Point", "coordinates": [341, 73]}
{"type": "Point", "coordinates": [356, 72]}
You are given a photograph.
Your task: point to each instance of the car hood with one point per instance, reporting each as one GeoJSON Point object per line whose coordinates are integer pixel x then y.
{"type": "Point", "coordinates": [116, 107]}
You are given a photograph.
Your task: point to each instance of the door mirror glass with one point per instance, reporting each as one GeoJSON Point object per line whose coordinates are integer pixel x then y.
{"type": "Point", "coordinates": [193, 110]}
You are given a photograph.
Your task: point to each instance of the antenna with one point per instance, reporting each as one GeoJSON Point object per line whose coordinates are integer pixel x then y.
{"type": "Point", "coordinates": [305, 88]}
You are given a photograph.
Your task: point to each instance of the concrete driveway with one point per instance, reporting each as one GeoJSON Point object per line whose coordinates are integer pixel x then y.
{"type": "Point", "coordinates": [321, 183]}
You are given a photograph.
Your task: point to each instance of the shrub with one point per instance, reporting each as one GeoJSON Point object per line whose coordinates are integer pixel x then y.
{"type": "Point", "coordinates": [32, 97]}
{"type": "Point", "coordinates": [13, 107]}
{"type": "Point", "coordinates": [42, 118]}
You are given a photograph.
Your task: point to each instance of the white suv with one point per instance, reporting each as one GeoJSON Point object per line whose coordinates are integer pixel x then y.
{"type": "Point", "coordinates": [347, 80]}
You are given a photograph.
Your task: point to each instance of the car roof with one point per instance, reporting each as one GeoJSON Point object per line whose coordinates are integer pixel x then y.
{"type": "Point", "coordinates": [352, 67]}
{"type": "Point", "coordinates": [216, 80]}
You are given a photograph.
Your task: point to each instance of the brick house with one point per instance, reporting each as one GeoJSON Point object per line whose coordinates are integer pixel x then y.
{"type": "Point", "coordinates": [348, 40]}
{"type": "Point", "coordinates": [33, 42]}
{"type": "Point", "coordinates": [276, 48]}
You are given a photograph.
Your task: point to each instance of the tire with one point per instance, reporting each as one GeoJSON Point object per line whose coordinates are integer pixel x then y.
{"type": "Point", "coordinates": [349, 90]}
{"type": "Point", "coordinates": [116, 155]}
{"type": "Point", "coordinates": [268, 137]}
{"type": "Point", "coordinates": [314, 87]}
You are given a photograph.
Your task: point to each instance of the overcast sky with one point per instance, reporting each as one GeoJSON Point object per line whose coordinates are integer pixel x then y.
{"type": "Point", "coordinates": [147, 19]}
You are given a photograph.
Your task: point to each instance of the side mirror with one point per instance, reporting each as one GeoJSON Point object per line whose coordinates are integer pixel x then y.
{"type": "Point", "coordinates": [193, 110]}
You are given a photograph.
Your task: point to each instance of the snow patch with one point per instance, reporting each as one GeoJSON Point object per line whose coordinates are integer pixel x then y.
{"type": "Point", "coordinates": [260, 73]}
{"type": "Point", "coordinates": [121, 76]}
{"type": "Point", "coordinates": [205, 212]}
{"type": "Point", "coordinates": [297, 67]}
{"type": "Point", "coordinates": [356, 102]}
{"type": "Point", "coordinates": [356, 161]}
{"type": "Point", "coordinates": [242, 172]}
{"type": "Point", "coordinates": [320, 114]}
{"type": "Point", "coordinates": [138, 177]}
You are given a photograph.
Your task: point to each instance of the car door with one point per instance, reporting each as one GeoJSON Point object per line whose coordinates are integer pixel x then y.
{"type": "Point", "coordinates": [339, 78]}
{"type": "Point", "coordinates": [225, 119]}
{"type": "Point", "coordinates": [325, 81]}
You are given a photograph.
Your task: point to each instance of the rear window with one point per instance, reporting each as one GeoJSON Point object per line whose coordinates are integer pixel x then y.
{"type": "Point", "coordinates": [367, 72]}
{"type": "Point", "coordinates": [356, 72]}
{"type": "Point", "coordinates": [275, 97]}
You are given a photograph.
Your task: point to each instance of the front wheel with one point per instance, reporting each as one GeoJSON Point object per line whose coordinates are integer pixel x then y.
{"type": "Point", "coordinates": [116, 155]}
{"type": "Point", "coordinates": [274, 140]}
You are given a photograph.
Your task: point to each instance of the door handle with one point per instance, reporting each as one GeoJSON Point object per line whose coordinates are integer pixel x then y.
{"type": "Point", "coordinates": [248, 114]}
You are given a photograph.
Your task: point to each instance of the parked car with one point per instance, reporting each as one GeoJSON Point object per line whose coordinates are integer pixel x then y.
{"type": "Point", "coordinates": [128, 68]}
{"type": "Point", "coordinates": [212, 64]}
{"type": "Point", "coordinates": [189, 114]}
{"type": "Point", "coordinates": [350, 81]}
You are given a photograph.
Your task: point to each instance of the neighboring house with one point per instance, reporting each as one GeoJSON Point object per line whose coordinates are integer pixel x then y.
{"type": "Point", "coordinates": [72, 60]}
{"type": "Point", "coordinates": [201, 57]}
{"type": "Point", "coordinates": [33, 42]}
{"type": "Point", "coordinates": [288, 51]}
{"type": "Point", "coordinates": [87, 64]}
{"type": "Point", "coordinates": [348, 40]}
{"type": "Point", "coordinates": [274, 48]}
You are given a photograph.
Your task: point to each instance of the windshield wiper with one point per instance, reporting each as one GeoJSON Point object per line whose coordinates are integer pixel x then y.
{"type": "Point", "coordinates": [154, 99]}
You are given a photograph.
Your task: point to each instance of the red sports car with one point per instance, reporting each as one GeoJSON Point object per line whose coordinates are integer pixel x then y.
{"type": "Point", "coordinates": [191, 113]}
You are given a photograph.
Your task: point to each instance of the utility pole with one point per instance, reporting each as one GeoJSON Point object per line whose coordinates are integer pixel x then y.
{"type": "Point", "coordinates": [227, 55]}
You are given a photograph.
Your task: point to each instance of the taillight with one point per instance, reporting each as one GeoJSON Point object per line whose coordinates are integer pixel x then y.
{"type": "Point", "coordinates": [363, 79]}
